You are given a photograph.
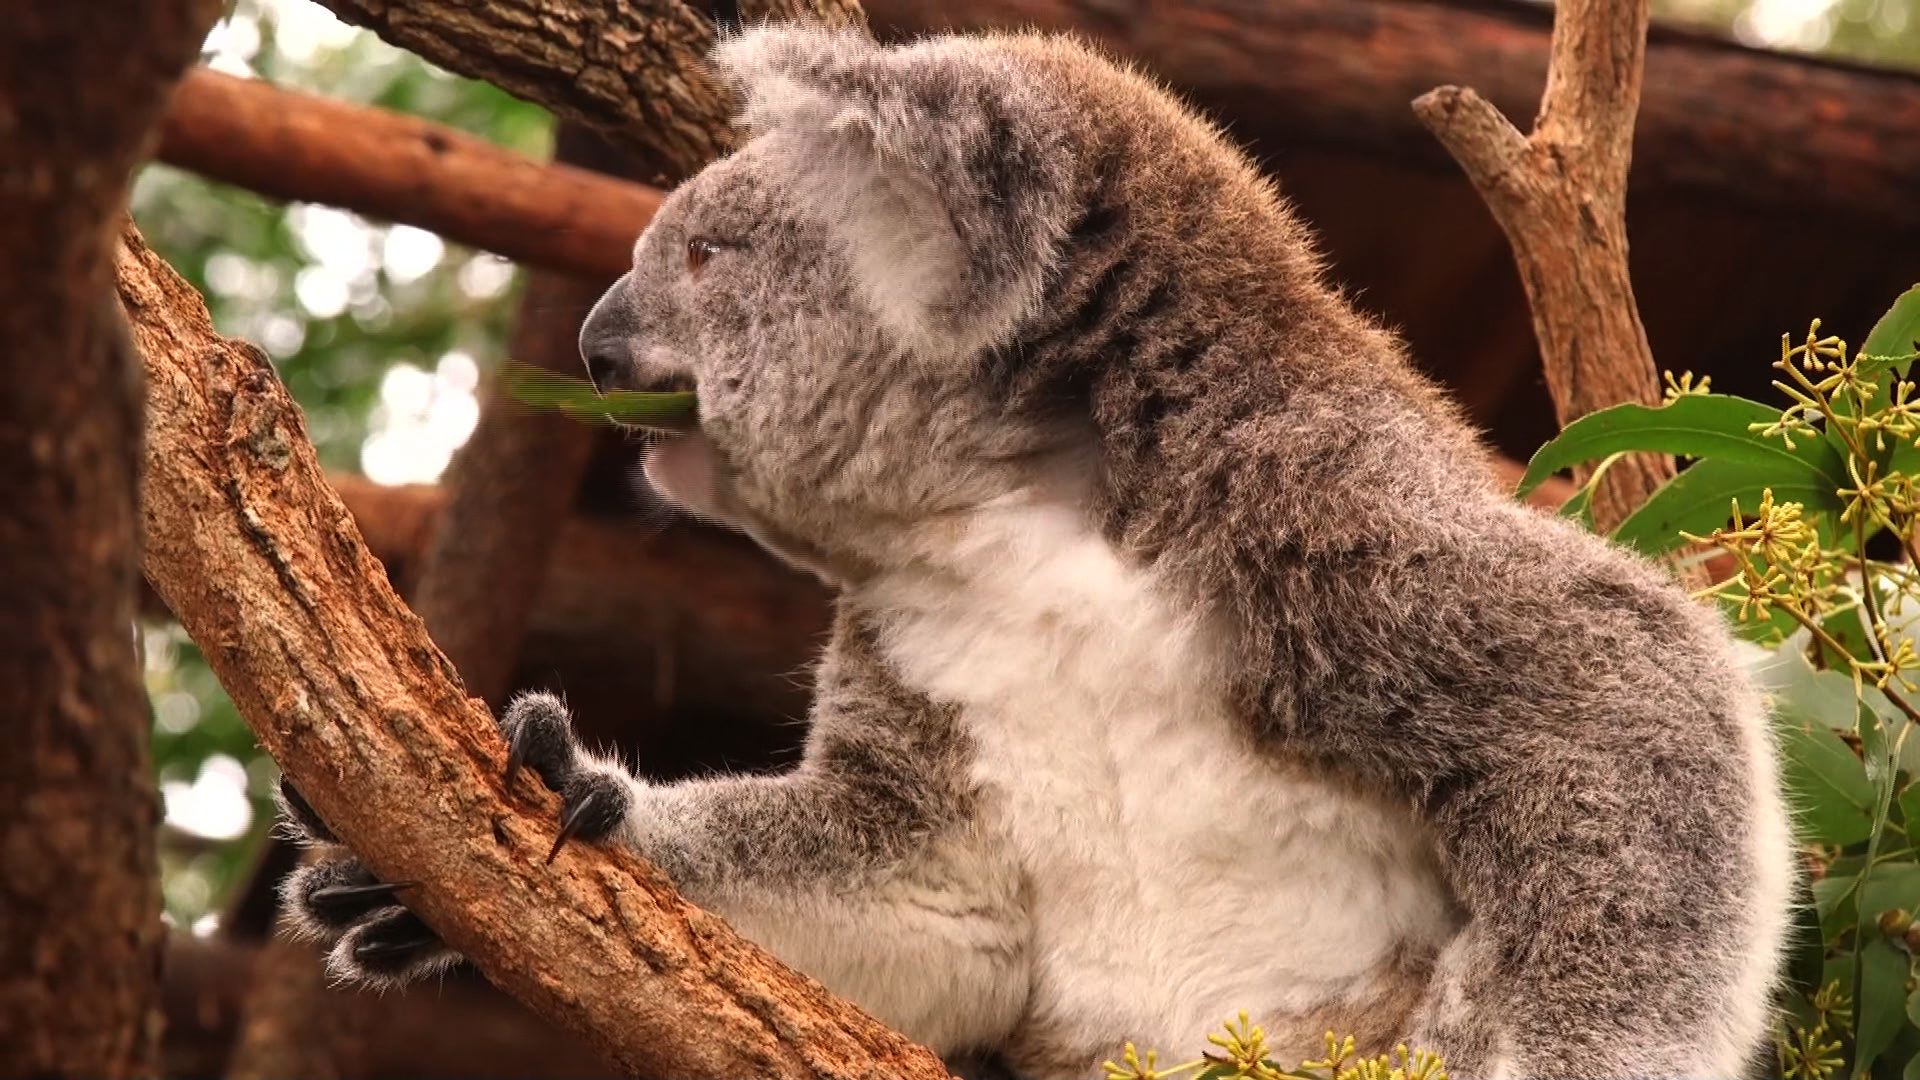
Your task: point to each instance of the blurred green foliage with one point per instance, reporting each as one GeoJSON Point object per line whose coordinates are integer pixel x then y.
{"type": "Point", "coordinates": [1869, 31]}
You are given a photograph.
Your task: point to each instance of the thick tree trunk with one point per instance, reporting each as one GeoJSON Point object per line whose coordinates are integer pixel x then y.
{"type": "Point", "coordinates": [79, 896]}
{"type": "Point", "coordinates": [339, 681]}
{"type": "Point", "coordinates": [398, 168]}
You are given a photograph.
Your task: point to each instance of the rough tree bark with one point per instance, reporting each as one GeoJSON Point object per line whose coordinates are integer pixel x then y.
{"type": "Point", "coordinates": [635, 70]}
{"type": "Point", "coordinates": [341, 684]}
{"type": "Point", "coordinates": [398, 168]}
{"type": "Point", "coordinates": [508, 495]}
{"type": "Point", "coordinates": [80, 934]}
{"type": "Point", "coordinates": [1560, 195]}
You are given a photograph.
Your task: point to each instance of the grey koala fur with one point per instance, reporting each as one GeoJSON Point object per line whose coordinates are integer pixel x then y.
{"type": "Point", "coordinates": [971, 279]}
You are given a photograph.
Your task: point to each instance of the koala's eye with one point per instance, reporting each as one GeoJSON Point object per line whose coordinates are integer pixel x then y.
{"type": "Point", "coordinates": [699, 250]}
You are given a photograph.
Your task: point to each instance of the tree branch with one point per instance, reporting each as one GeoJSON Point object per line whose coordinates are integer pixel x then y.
{"type": "Point", "coordinates": [290, 145]}
{"type": "Point", "coordinates": [635, 70]}
{"type": "Point", "coordinates": [1720, 121]}
{"type": "Point", "coordinates": [337, 678]}
{"type": "Point", "coordinates": [1560, 197]}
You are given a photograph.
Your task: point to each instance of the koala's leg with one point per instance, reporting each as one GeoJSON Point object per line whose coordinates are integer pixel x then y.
{"type": "Point", "coordinates": [1620, 921]}
{"type": "Point", "coordinates": [863, 867]}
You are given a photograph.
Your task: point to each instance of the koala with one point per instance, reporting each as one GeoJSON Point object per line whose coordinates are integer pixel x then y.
{"type": "Point", "coordinates": [1186, 659]}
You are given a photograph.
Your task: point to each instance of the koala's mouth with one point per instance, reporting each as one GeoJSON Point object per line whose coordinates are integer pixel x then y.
{"type": "Point", "coordinates": [666, 404]}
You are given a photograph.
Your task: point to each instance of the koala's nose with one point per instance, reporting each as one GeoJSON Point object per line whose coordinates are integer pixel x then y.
{"type": "Point", "coordinates": [607, 339]}
{"type": "Point", "coordinates": [609, 364]}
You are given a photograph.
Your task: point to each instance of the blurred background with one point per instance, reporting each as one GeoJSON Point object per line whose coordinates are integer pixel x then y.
{"type": "Point", "coordinates": [387, 336]}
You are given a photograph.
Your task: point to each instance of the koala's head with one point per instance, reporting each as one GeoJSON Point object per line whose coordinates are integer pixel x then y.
{"type": "Point", "coordinates": [839, 288]}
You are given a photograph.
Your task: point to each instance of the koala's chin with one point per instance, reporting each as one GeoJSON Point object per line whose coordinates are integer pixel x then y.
{"type": "Point", "coordinates": [685, 470]}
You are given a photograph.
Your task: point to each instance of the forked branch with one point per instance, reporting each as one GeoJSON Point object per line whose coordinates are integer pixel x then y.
{"type": "Point", "coordinates": [1559, 194]}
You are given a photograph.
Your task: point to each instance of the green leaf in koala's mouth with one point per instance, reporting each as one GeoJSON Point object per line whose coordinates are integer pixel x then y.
{"type": "Point", "coordinates": [543, 389]}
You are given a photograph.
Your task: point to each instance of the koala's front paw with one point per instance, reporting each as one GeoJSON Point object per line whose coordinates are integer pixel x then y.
{"type": "Point", "coordinates": [595, 794]}
{"type": "Point", "coordinates": [336, 899]}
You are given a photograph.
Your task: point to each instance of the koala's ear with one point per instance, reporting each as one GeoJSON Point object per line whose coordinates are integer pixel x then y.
{"type": "Point", "coordinates": [944, 163]}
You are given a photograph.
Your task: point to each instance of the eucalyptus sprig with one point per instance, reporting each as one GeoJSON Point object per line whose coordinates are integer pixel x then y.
{"type": "Point", "coordinates": [1808, 512]}
{"type": "Point", "coordinates": [539, 388]}
{"type": "Point", "coordinates": [1240, 1053]}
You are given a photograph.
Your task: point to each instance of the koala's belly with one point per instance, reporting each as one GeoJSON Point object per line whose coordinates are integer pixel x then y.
{"type": "Point", "coordinates": [1177, 878]}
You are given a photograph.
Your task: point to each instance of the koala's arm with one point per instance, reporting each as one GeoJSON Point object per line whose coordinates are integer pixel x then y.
{"type": "Point", "coordinates": [1599, 780]}
{"type": "Point", "coordinates": [863, 866]}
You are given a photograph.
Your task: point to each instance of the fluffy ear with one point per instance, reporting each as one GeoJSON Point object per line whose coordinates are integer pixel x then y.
{"type": "Point", "coordinates": [942, 162]}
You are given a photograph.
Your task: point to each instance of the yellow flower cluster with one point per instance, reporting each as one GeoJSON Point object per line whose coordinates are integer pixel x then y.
{"type": "Point", "coordinates": [1241, 1054]}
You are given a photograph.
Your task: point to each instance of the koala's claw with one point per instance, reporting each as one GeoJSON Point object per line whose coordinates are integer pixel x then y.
{"type": "Point", "coordinates": [374, 938]}
{"type": "Point", "coordinates": [390, 949]}
{"type": "Point", "coordinates": [354, 899]}
{"type": "Point", "coordinates": [594, 795]}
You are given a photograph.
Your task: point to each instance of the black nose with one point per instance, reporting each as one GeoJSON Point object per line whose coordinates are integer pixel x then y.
{"type": "Point", "coordinates": [607, 365]}
{"type": "Point", "coordinates": [606, 341]}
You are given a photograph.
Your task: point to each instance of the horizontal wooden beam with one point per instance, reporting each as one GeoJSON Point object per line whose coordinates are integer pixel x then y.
{"type": "Point", "coordinates": [397, 168]}
{"type": "Point", "coordinates": [1717, 120]}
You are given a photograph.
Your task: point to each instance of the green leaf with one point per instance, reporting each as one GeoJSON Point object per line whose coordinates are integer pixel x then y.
{"type": "Point", "coordinates": [1881, 990]}
{"type": "Point", "coordinates": [1797, 691]}
{"type": "Point", "coordinates": [1880, 1000]}
{"type": "Point", "coordinates": [1832, 797]}
{"type": "Point", "coordinates": [577, 398]}
{"type": "Point", "coordinates": [1912, 1071]}
{"type": "Point", "coordinates": [1579, 506]}
{"type": "Point", "coordinates": [1897, 335]}
{"type": "Point", "coordinates": [1891, 885]}
{"type": "Point", "coordinates": [1697, 501]}
{"type": "Point", "coordinates": [1710, 426]}
{"type": "Point", "coordinates": [1830, 900]}
{"type": "Point", "coordinates": [1847, 627]}
{"type": "Point", "coordinates": [1898, 331]}
{"type": "Point", "coordinates": [1913, 1017]}
{"type": "Point", "coordinates": [1910, 804]}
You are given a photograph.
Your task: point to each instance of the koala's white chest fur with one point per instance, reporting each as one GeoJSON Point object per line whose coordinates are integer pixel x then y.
{"type": "Point", "coordinates": [1175, 874]}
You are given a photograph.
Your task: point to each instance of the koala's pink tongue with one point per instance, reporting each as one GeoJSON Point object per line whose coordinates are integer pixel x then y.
{"type": "Point", "coordinates": [686, 469]}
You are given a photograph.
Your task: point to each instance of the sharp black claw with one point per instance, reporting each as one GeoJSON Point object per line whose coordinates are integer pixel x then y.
{"type": "Point", "coordinates": [373, 950]}
{"type": "Point", "coordinates": [570, 824]}
{"type": "Point", "coordinates": [333, 893]}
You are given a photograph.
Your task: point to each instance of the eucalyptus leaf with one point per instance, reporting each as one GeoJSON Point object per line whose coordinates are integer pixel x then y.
{"type": "Point", "coordinates": [1698, 500]}
{"type": "Point", "coordinates": [1797, 691]}
{"type": "Point", "coordinates": [543, 389]}
{"type": "Point", "coordinates": [1891, 885]}
{"type": "Point", "coordinates": [1879, 1001]}
{"type": "Point", "coordinates": [1890, 346]}
{"type": "Point", "coordinates": [1827, 784]}
{"type": "Point", "coordinates": [1833, 900]}
{"type": "Point", "coordinates": [1910, 804]}
{"type": "Point", "coordinates": [1897, 334]}
{"type": "Point", "coordinates": [1709, 426]}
